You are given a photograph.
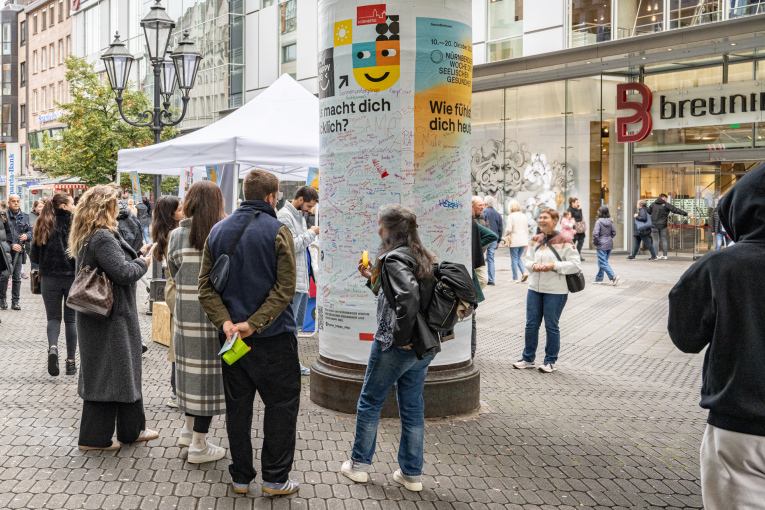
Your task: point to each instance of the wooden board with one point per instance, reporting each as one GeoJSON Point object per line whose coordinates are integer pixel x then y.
{"type": "Point", "coordinates": [160, 323]}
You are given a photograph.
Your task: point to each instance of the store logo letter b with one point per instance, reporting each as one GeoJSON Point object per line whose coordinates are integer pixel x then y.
{"type": "Point", "coordinates": [642, 112]}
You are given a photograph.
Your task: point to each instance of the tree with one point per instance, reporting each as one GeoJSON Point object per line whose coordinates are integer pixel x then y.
{"type": "Point", "coordinates": [88, 148]}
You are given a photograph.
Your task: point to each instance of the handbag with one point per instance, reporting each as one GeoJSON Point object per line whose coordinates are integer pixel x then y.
{"type": "Point", "coordinates": [580, 227]}
{"type": "Point", "coordinates": [574, 282]}
{"type": "Point", "coordinates": [91, 293]}
{"type": "Point", "coordinates": [219, 272]}
{"type": "Point", "coordinates": [36, 281]}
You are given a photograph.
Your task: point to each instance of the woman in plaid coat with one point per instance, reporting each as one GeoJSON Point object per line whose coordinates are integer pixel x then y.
{"type": "Point", "coordinates": [198, 366]}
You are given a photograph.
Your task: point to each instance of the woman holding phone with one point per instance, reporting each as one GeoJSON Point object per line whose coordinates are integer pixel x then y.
{"type": "Point", "coordinates": [198, 366]}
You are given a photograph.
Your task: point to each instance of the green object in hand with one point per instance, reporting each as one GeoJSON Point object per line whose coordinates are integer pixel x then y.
{"type": "Point", "coordinates": [237, 350]}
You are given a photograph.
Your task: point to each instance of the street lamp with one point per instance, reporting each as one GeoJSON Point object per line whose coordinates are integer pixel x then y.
{"type": "Point", "coordinates": [179, 69]}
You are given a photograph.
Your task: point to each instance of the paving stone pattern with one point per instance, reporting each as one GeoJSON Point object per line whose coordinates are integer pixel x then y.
{"type": "Point", "coordinates": [618, 426]}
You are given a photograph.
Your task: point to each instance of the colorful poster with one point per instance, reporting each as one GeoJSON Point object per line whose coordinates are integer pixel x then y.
{"type": "Point", "coordinates": [313, 178]}
{"type": "Point", "coordinates": [136, 185]}
{"type": "Point", "coordinates": [213, 174]}
{"type": "Point", "coordinates": [395, 90]}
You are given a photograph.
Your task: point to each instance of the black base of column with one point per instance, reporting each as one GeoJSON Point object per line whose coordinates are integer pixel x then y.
{"type": "Point", "coordinates": [449, 390]}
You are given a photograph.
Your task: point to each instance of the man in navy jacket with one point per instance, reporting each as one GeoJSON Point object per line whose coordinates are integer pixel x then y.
{"type": "Point", "coordinates": [495, 225]}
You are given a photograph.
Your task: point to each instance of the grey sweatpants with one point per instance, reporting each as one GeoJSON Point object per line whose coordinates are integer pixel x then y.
{"type": "Point", "coordinates": [732, 470]}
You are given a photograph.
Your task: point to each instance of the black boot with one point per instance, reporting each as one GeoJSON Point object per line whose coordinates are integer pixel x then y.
{"type": "Point", "coordinates": [53, 361]}
{"type": "Point", "coordinates": [15, 306]}
{"type": "Point", "coordinates": [3, 304]}
{"type": "Point", "coordinates": [71, 367]}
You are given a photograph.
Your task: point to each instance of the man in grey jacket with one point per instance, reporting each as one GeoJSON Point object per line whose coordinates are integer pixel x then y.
{"type": "Point", "coordinates": [293, 215]}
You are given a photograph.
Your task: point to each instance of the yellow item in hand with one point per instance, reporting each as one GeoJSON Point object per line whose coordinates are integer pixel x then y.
{"type": "Point", "coordinates": [365, 258]}
{"type": "Point", "coordinates": [237, 350]}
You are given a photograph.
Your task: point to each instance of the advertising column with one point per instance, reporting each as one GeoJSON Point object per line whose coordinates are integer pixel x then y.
{"type": "Point", "coordinates": [395, 83]}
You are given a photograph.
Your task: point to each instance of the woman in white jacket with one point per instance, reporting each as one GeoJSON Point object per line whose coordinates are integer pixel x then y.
{"type": "Point", "coordinates": [517, 239]}
{"type": "Point", "coordinates": [548, 290]}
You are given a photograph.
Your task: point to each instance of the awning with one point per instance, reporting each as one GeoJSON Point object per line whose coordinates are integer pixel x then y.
{"type": "Point", "coordinates": [58, 187]}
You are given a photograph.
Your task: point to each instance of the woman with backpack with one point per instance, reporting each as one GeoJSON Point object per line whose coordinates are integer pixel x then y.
{"type": "Point", "coordinates": [642, 231]}
{"type": "Point", "coordinates": [603, 238]}
{"type": "Point", "coordinates": [550, 257]}
{"type": "Point", "coordinates": [403, 265]}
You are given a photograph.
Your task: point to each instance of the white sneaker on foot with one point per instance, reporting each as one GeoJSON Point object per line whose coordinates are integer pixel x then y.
{"type": "Point", "coordinates": [210, 453]}
{"type": "Point", "coordinates": [615, 281]}
{"type": "Point", "coordinates": [411, 483]}
{"type": "Point", "coordinates": [524, 277]}
{"type": "Point", "coordinates": [184, 438]}
{"type": "Point", "coordinates": [524, 364]}
{"type": "Point", "coordinates": [547, 368]}
{"type": "Point", "coordinates": [357, 475]}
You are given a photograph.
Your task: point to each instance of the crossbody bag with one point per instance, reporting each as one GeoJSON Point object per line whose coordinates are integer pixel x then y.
{"type": "Point", "coordinates": [574, 282]}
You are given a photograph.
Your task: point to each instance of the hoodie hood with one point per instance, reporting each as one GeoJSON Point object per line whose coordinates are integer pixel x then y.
{"type": "Point", "coordinates": [659, 201]}
{"type": "Point", "coordinates": [124, 210]}
{"type": "Point", "coordinates": [742, 209]}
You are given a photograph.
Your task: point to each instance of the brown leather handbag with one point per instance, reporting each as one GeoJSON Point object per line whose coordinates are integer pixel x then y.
{"type": "Point", "coordinates": [91, 293]}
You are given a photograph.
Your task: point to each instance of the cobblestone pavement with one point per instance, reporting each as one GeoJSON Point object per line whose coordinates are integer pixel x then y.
{"type": "Point", "coordinates": [618, 426]}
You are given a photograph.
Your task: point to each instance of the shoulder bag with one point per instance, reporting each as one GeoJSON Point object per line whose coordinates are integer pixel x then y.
{"type": "Point", "coordinates": [574, 282]}
{"type": "Point", "coordinates": [219, 272]}
{"type": "Point", "coordinates": [35, 281]}
{"type": "Point", "coordinates": [580, 227]}
{"type": "Point", "coordinates": [91, 293]}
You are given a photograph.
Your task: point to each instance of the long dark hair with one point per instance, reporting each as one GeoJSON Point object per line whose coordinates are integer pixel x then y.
{"type": "Point", "coordinates": [204, 205]}
{"type": "Point", "coordinates": [163, 223]}
{"type": "Point", "coordinates": [47, 220]}
{"type": "Point", "coordinates": [399, 225]}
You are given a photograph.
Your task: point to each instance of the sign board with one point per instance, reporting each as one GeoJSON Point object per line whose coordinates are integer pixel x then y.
{"type": "Point", "coordinates": [640, 110]}
{"type": "Point", "coordinates": [136, 185]}
{"type": "Point", "coordinates": [12, 156]}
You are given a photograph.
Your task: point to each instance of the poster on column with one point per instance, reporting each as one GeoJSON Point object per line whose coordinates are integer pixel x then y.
{"type": "Point", "coordinates": [394, 90]}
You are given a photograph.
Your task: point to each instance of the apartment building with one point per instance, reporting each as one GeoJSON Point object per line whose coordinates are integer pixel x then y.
{"type": "Point", "coordinates": [9, 96]}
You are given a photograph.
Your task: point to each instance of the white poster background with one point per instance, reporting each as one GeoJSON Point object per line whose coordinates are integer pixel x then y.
{"type": "Point", "coordinates": [372, 153]}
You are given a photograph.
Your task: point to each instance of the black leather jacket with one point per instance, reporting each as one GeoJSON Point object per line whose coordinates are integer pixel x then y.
{"type": "Point", "coordinates": [408, 297]}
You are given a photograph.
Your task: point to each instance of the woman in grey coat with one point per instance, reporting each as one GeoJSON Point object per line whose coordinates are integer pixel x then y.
{"type": "Point", "coordinates": [199, 382]}
{"type": "Point", "coordinates": [110, 349]}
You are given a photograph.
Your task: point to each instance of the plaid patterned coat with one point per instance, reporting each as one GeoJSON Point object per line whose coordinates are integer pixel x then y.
{"type": "Point", "coordinates": [197, 364]}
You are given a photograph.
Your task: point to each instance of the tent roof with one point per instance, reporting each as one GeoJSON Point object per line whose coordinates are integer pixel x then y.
{"type": "Point", "coordinates": [276, 131]}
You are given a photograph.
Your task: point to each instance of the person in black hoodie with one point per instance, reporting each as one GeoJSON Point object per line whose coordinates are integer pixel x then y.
{"type": "Point", "coordinates": [717, 304]}
{"type": "Point", "coordinates": [57, 272]}
{"type": "Point", "coordinates": [659, 211]}
{"type": "Point", "coordinates": [130, 227]}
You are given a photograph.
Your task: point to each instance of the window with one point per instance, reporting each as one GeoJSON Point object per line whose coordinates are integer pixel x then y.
{"type": "Point", "coordinates": [51, 15]}
{"type": "Point", "coordinates": [22, 33]}
{"type": "Point", "coordinates": [113, 17]}
{"type": "Point", "coordinates": [34, 101]}
{"type": "Point", "coordinates": [68, 9]}
{"type": "Point", "coordinates": [23, 116]}
{"type": "Point", "coordinates": [6, 120]}
{"type": "Point", "coordinates": [6, 79]}
{"type": "Point", "coordinates": [266, 3]}
{"type": "Point", "coordinates": [44, 19]}
{"type": "Point", "coordinates": [505, 29]}
{"type": "Point", "coordinates": [590, 22]}
{"type": "Point", "coordinates": [34, 62]}
{"type": "Point", "coordinates": [288, 38]}
{"type": "Point", "coordinates": [44, 58]}
{"type": "Point", "coordinates": [44, 101]}
{"type": "Point", "coordinates": [60, 51]}
{"type": "Point", "coordinates": [23, 74]}
{"type": "Point", "coordinates": [288, 12]}
{"type": "Point", "coordinates": [60, 10]}
{"type": "Point", "coordinates": [52, 56]}
{"type": "Point", "coordinates": [289, 53]}
{"type": "Point", "coordinates": [68, 45]}
{"type": "Point", "coordinates": [92, 30]}
{"type": "Point", "coordinates": [34, 23]}
{"type": "Point", "coordinates": [61, 92]}
{"type": "Point", "coordinates": [6, 38]}
{"type": "Point", "coordinates": [52, 96]}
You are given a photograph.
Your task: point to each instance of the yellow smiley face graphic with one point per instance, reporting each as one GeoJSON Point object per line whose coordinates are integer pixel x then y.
{"type": "Point", "coordinates": [376, 65]}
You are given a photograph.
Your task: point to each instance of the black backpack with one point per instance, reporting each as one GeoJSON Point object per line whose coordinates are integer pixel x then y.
{"type": "Point", "coordinates": [453, 284]}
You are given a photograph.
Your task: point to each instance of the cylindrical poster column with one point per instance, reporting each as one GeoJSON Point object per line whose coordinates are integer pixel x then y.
{"type": "Point", "coordinates": [395, 84]}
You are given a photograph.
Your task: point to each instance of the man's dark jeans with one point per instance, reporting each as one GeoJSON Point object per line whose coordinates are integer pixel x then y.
{"type": "Point", "coordinates": [16, 277]}
{"type": "Point", "coordinates": [272, 369]}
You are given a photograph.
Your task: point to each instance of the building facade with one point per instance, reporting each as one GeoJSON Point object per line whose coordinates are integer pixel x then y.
{"type": "Point", "coordinates": [9, 100]}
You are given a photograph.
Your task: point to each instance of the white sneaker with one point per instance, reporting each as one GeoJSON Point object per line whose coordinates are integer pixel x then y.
{"type": "Point", "coordinates": [411, 483]}
{"type": "Point", "coordinates": [547, 368]}
{"type": "Point", "coordinates": [357, 475]}
{"type": "Point", "coordinates": [210, 453]}
{"type": "Point", "coordinates": [615, 281]}
{"type": "Point", "coordinates": [663, 257]}
{"type": "Point", "coordinates": [184, 438]}
{"type": "Point", "coordinates": [524, 277]}
{"type": "Point", "coordinates": [597, 282]}
{"type": "Point", "coordinates": [524, 364]}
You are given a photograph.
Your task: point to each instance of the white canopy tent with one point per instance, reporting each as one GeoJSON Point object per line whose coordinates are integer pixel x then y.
{"type": "Point", "coordinates": [277, 131]}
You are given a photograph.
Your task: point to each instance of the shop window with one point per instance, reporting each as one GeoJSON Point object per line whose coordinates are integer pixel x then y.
{"type": "Point", "coordinates": [590, 22]}
{"type": "Point", "coordinates": [688, 13]}
{"type": "Point", "coordinates": [23, 115]}
{"type": "Point", "coordinates": [22, 74]}
{"type": "Point", "coordinates": [22, 33]}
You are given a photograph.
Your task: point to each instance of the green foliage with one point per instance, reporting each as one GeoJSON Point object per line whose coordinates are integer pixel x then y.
{"type": "Point", "coordinates": [88, 149]}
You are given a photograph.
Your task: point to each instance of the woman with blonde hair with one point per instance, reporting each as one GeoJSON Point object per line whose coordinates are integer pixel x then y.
{"type": "Point", "coordinates": [516, 239]}
{"type": "Point", "coordinates": [110, 349]}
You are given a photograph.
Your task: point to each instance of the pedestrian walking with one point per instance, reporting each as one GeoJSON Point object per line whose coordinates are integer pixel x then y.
{"type": "Point", "coordinates": [580, 226]}
{"type": "Point", "coordinates": [403, 266]}
{"type": "Point", "coordinates": [255, 305]}
{"type": "Point", "coordinates": [37, 207]}
{"type": "Point", "coordinates": [717, 305]}
{"type": "Point", "coordinates": [659, 211]}
{"type": "Point", "coordinates": [50, 252]}
{"type": "Point", "coordinates": [110, 349]}
{"type": "Point", "coordinates": [168, 212]}
{"type": "Point", "coordinates": [715, 225]}
{"type": "Point", "coordinates": [198, 377]}
{"type": "Point", "coordinates": [18, 232]}
{"type": "Point", "coordinates": [642, 231]}
{"type": "Point", "coordinates": [567, 225]}
{"type": "Point", "coordinates": [603, 239]}
{"type": "Point", "coordinates": [548, 290]}
{"type": "Point", "coordinates": [494, 219]}
{"type": "Point", "coordinates": [293, 215]}
{"type": "Point", "coordinates": [517, 239]}
{"type": "Point", "coordinates": [144, 218]}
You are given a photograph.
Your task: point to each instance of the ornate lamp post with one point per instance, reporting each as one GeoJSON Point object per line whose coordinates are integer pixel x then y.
{"type": "Point", "coordinates": [180, 69]}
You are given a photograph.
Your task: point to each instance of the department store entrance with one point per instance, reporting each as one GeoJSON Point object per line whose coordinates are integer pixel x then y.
{"type": "Point", "coordinates": [694, 187]}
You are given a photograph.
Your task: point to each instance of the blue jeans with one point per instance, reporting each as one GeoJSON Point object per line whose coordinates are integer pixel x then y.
{"type": "Point", "coordinates": [384, 369]}
{"type": "Point", "coordinates": [719, 239]}
{"type": "Point", "coordinates": [299, 303]}
{"type": "Point", "coordinates": [145, 231]}
{"type": "Point", "coordinates": [645, 239]}
{"type": "Point", "coordinates": [603, 266]}
{"type": "Point", "coordinates": [549, 307]}
{"type": "Point", "coordinates": [490, 250]}
{"type": "Point", "coordinates": [516, 263]}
